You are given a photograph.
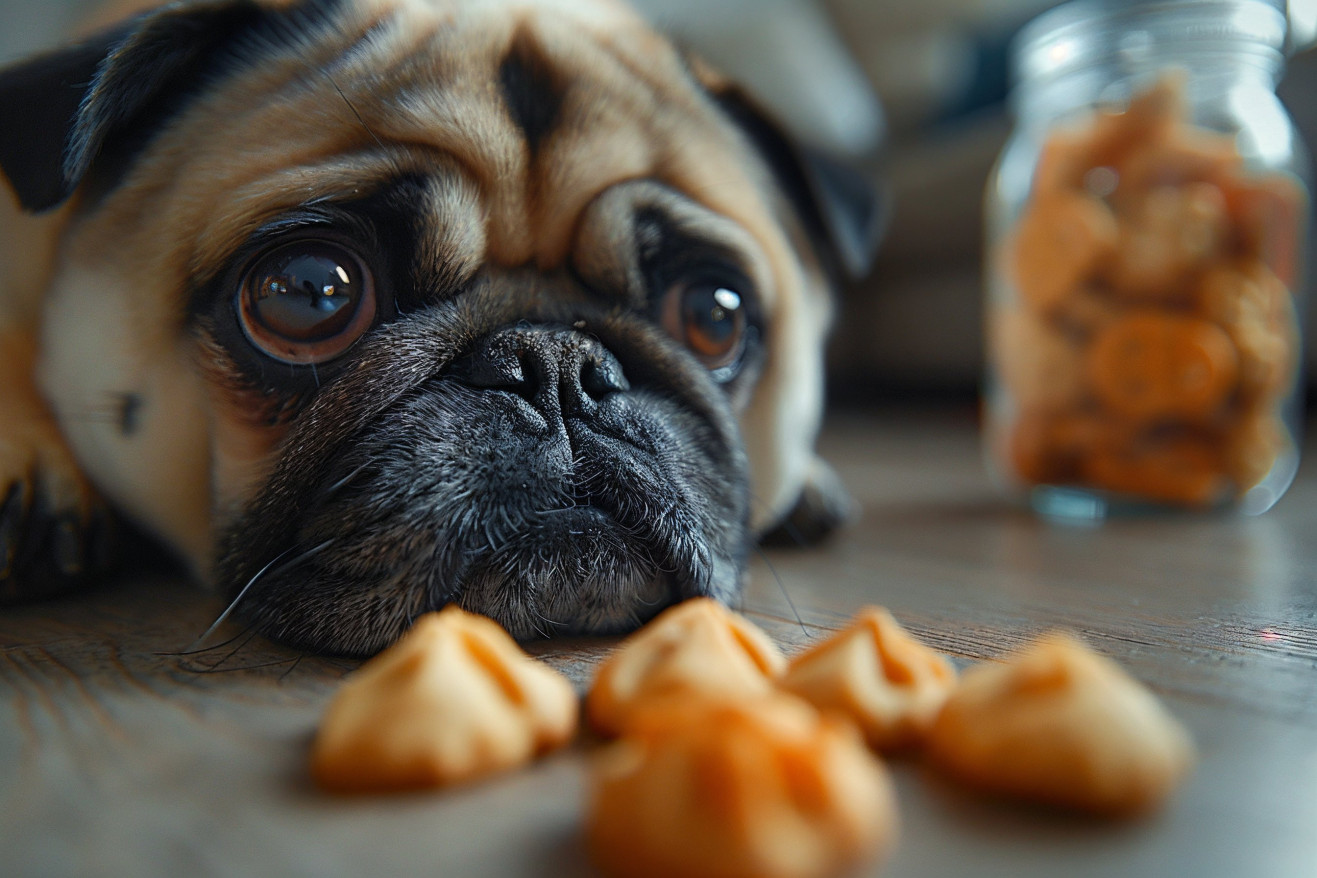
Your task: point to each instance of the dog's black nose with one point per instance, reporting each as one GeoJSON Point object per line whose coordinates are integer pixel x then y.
{"type": "Point", "coordinates": [559, 371]}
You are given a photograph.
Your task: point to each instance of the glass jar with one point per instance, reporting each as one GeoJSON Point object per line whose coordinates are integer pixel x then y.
{"type": "Point", "coordinates": [1146, 231]}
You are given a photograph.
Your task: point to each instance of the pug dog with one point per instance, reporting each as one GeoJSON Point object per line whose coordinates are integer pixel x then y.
{"type": "Point", "coordinates": [364, 307]}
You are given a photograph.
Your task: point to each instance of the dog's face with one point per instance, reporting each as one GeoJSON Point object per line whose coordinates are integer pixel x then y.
{"type": "Point", "coordinates": [409, 302]}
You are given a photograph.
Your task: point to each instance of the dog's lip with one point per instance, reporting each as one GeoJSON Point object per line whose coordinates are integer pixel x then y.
{"type": "Point", "coordinates": [653, 580]}
{"type": "Point", "coordinates": [588, 515]}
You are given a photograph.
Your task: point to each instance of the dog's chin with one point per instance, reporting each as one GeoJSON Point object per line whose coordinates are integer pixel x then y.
{"type": "Point", "coordinates": [575, 571]}
{"type": "Point", "coordinates": [537, 572]}
{"type": "Point", "coordinates": [568, 571]}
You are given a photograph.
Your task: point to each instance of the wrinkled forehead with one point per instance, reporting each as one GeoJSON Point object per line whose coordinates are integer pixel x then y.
{"type": "Point", "coordinates": [533, 110]}
{"type": "Point", "coordinates": [545, 104]}
{"type": "Point", "coordinates": [542, 105]}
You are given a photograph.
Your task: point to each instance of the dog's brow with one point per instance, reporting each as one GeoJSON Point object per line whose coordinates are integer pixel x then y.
{"type": "Point", "coordinates": [532, 90]}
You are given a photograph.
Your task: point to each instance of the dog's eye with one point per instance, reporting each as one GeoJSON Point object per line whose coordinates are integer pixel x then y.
{"type": "Point", "coordinates": [306, 301]}
{"type": "Point", "coordinates": [708, 318]}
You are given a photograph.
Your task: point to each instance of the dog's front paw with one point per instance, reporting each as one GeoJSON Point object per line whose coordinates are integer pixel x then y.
{"type": "Point", "coordinates": [55, 532]}
{"type": "Point", "coordinates": [824, 506]}
{"type": "Point", "coordinates": [47, 546]}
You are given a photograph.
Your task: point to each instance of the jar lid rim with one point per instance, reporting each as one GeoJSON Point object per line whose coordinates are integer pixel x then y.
{"type": "Point", "coordinates": [1046, 45]}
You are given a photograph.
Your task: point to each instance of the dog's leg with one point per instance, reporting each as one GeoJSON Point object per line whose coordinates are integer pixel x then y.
{"type": "Point", "coordinates": [54, 530]}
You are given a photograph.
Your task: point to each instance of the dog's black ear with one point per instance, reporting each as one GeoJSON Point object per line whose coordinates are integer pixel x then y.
{"type": "Point", "coordinates": [93, 106]}
{"type": "Point", "coordinates": [844, 210]}
{"type": "Point", "coordinates": [39, 102]}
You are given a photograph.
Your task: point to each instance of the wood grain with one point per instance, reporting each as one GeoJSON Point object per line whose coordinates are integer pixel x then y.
{"type": "Point", "coordinates": [122, 752]}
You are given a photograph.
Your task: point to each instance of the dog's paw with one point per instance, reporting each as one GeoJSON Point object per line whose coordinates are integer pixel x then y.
{"type": "Point", "coordinates": [824, 506]}
{"type": "Point", "coordinates": [55, 532]}
{"type": "Point", "coordinates": [47, 545]}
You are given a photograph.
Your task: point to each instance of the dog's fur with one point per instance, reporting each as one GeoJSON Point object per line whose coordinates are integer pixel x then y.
{"type": "Point", "coordinates": [529, 183]}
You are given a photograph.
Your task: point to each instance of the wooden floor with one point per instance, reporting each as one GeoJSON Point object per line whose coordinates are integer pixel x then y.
{"type": "Point", "coordinates": [120, 755]}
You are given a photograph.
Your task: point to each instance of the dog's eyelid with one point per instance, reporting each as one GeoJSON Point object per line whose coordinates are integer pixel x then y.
{"type": "Point", "coordinates": [340, 229]}
{"type": "Point", "coordinates": [671, 248]}
{"type": "Point", "coordinates": [217, 286]}
{"type": "Point", "coordinates": [341, 224]}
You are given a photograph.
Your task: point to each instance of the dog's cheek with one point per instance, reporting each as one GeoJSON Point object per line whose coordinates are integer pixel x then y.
{"type": "Point", "coordinates": [246, 433]}
{"type": "Point", "coordinates": [243, 456]}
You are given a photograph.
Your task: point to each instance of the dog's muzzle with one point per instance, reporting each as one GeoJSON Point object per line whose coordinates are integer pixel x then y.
{"type": "Point", "coordinates": [569, 475]}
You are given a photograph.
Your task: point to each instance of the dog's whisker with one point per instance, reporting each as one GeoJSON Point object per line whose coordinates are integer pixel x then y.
{"type": "Point", "coordinates": [241, 668]}
{"type": "Point", "coordinates": [551, 621]}
{"type": "Point", "coordinates": [536, 614]}
{"type": "Point", "coordinates": [344, 482]}
{"type": "Point", "coordinates": [242, 593]}
{"type": "Point", "coordinates": [783, 588]}
{"type": "Point", "coordinates": [302, 558]}
{"type": "Point", "coordinates": [203, 650]}
{"type": "Point", "coordinates": [296, 663]}
{"type": "Point", "coordinates": [251, 633]}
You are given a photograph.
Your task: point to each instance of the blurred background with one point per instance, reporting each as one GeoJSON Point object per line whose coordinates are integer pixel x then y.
{"type": "Point", "coordinates": [916, 90]}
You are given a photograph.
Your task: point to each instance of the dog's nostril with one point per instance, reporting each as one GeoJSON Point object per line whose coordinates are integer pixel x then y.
{"type": "Point", "coordinates": [557, 370]}
{"type": "Point", "coordinates": [486, 370]}
{"type": "Point", "coordinates": [601, 376]}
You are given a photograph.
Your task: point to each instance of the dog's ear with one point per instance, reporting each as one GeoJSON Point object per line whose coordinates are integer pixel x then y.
{"type": "Point", "coordinates": [843, 210]}
{"type": "Point", "coordinates": [39, 102]}
{"type": "Point", "coordinates": [88, 110]}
